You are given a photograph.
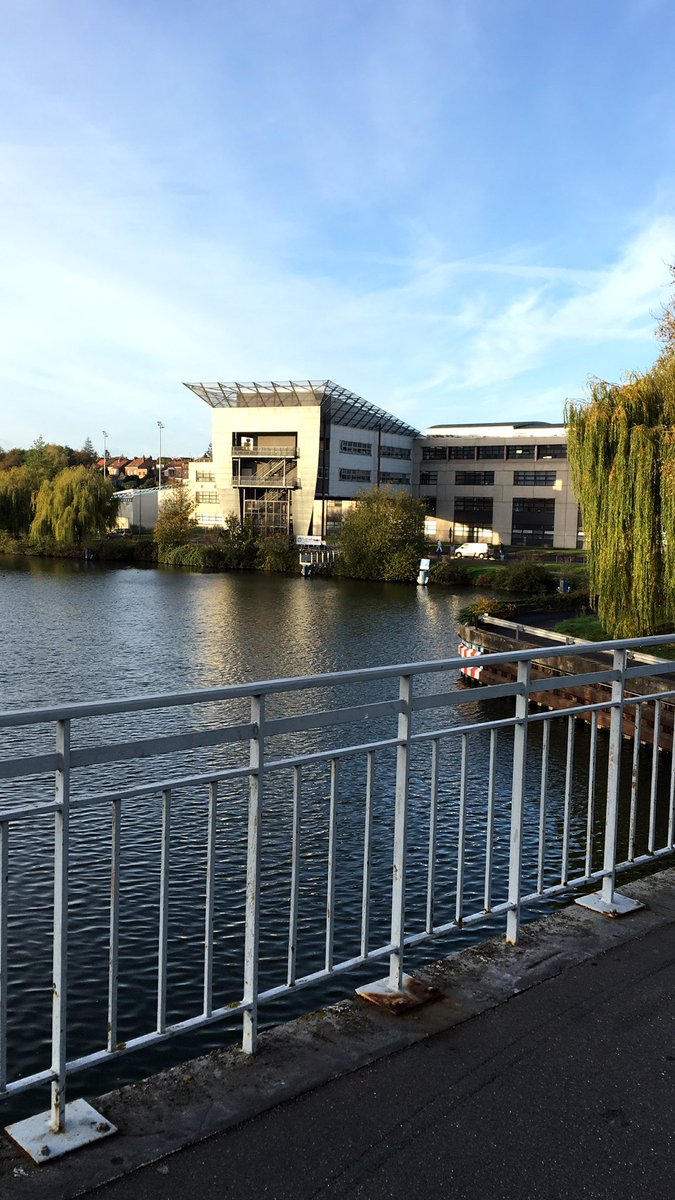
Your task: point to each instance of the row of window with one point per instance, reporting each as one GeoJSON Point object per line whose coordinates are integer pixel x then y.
{"type": "Point", "coordinates": [443, 453]}
{"type": "Point", "coordinates": [354, 475]}
{"type": "Point", "coordinates": [532, 521]}
{"type": "Point", "coordinates": [521, 504]}
{"type": "Point", "coordinates": [487, 478]}
{"type": "Point", "coordinates": [207, 497]}
{"type": "Point", "coordinates": [366, 448]}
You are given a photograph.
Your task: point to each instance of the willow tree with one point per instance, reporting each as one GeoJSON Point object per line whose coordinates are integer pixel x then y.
{"type": "Point", "coordinates": [76, 504]}
{"type": "Point", "coordinates": [622, 455]}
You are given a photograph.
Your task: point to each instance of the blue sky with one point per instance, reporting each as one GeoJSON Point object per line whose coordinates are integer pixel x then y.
{"type": "Point", "coordinates": [459, 209]}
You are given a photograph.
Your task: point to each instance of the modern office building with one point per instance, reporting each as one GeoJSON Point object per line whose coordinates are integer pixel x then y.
{"type": "Point", "coordinates": [291, 457]}
{"type": "Point", "coordinates": [505, 483]}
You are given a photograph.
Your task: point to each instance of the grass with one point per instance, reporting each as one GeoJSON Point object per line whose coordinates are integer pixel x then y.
{"type": "Point", "coordinates": [589, 629]}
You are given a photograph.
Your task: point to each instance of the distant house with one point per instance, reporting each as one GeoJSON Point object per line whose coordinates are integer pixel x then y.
{"type": "Point", "coordinates": [176, 468]}
{"type": "Point", "coordinates": [117, 467]}
{"type": "Point", "coordinates": [141, 468]}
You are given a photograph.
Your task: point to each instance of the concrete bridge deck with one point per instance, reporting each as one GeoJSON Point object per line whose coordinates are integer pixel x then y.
{"type": "Point", "coordinates": [543, 1071]}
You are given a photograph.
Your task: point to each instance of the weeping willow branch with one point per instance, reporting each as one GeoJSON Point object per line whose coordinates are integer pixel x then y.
{"type": "Point", "coordinates": [622, 456]}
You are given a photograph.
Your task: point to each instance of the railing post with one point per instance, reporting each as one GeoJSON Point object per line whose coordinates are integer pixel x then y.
{"type": "Point", "coordinates": [607, 900]}
{"type": "Point", "coordinates": [60, 946]}
{"type": "Point", "coordinates": [518, 802]}
{"type": "Point", "coordinates": [400, 835]}
{"type": "Point", "coordinates": [255, 796]}
{"type": "Point", "coordinates": [45, 1136]}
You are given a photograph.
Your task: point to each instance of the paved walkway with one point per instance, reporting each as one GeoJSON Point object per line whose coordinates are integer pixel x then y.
{"type": "Point", "coordinates": [565, 1089]}
{"type": "Point", "coordinates": [543, 1071]}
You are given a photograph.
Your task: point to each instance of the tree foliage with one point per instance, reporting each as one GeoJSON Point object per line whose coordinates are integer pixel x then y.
{"type": "Point", "coordinates": [382, 537]}
{"type": "Point", "coordinates": [17, 487]}
{"type": "Point", "coordinates": [622, 455]}
{"type": "Point", "coordinates": [76, 504]}
{"type": "Point", "coordinates": [175, 521]}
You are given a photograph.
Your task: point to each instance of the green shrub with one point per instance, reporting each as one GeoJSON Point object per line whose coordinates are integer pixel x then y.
{"type": "Point", "coordinates": [449, 570]}
{"type": "Point", "coordinates": [528, 577]}
{"type": "Point", "coordinates": [486, 604]}
{"type": "Point", "coordinates": [278, 552]}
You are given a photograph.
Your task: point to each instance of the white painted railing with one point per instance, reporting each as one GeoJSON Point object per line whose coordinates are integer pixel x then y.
{"type": "Point", "coordinates": [273, 737]}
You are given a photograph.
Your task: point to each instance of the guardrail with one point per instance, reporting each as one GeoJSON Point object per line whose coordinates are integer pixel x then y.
{"type": "Point", "coordinates": [478, 788]}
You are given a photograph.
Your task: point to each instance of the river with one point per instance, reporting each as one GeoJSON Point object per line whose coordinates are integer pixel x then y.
{"type": "Point", "coordinates": [75, 631]}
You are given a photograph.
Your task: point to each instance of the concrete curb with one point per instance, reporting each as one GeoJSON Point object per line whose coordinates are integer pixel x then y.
{"type": "Point", "coordinates": [187, 1104]}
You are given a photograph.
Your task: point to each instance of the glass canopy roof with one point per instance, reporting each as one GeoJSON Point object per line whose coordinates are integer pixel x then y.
{"type": "Point", "coordinates": [338, 405]}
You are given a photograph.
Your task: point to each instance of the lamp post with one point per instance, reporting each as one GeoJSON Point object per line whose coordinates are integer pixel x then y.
{"type": "Point", "coordinates": [105, 452]}
{"type": "Point", "coordinates": [160, 426]}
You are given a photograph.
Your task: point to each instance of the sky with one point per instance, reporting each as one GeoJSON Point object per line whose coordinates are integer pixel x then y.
{"type": "Point", "coordinates": [461, 210]}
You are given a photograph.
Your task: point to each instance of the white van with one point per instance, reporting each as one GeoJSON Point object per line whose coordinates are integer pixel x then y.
{"type": "Point", "coordinates": [476, 550]}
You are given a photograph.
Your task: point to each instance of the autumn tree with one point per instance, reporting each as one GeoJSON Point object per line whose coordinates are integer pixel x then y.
{"type": "Point", "coordinates": [175, 521]}
{"type": "Point", "coordinates": [76, 504]}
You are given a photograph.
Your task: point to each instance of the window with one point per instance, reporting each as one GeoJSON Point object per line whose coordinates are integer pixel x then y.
{"type": "Point", "coordinates": [434, 453]}
{"type": "Point", "coordinates": [394, 477]}
{"type": "Point", "coordinates": [520, 451]}
{"type": "Point", "coordinates": [356, 448]}
{"type": "Point", "coordinates": [480, 478]}
{"type": "Point", "coordinates": [211, 519]}
{"type": "Point", "coordinates": [394, 451]}
{"type": "Point", "coordinates": [534, 478]}
{"type": "Point", "coordinates": [462, 452]}
{"type": "Point", "coordinates": [490, 452]}
{"type": "Point", "coordinates": [555, 450]}
{"type": "Point", "coordinates": [207, 497]}
{"type": "Point", "coordinates": [205, 477]}
{"type": "Point", "coordinates": [351, 475]}
{"type": "Point", "coordinates": [532, 522]}
{"type": "Point", "coordinates": [473, 518]}
{"type": "Point", "coordinates": [472, 504]}
{"type": "Point", "coordinates": [428, 477]}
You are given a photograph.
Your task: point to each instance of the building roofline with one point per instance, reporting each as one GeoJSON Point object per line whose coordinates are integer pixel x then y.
{"type": "Point", "coordinates": [339, 405]}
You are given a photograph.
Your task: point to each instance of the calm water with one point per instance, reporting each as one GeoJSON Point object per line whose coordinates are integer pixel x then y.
{"type": "Point", "coordinates": [73, 632]}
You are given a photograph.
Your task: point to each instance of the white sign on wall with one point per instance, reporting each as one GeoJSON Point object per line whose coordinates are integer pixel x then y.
{"type": "Point", "coordinates": [310, 540]}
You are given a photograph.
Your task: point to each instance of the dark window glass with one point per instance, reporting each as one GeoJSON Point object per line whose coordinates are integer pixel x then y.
{"type": "Point", "coordinates": [394, 452]}
{"type": "Point", "coordinates": [356, 448]}
{"type": "Point", "coordinates": [462, 452]}
{"type": "Point", "coordinates": [427, 477]}
{"type": "Point", "coordinates": [555, 450]}
{"type": "Point", "coordinates": [394, 477]}
{"type": "Point", "coordinates": [472, 504]}
{"type": "Point", "coordinates": [534, 478]}
{"type": "Point", "coordinates": [490, 452]}
{"type": "Point", "coordinates": [520, 451]}
{"type": "Point", "coordinates": [351, 475]}
{"type": "Point", "coordinates": [436, 453]}
{"type": "Point", "coordinates": [532, 522]}
{"type": "Point", "coordinates": [480, 478]}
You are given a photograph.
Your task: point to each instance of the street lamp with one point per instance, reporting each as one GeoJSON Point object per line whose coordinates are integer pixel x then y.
{"type": "Point", "coordinates": [160, 425]}
{"type": "Point", "coordinates": [105, 452]}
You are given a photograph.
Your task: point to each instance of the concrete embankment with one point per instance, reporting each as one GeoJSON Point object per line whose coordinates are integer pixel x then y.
{"type": "Point", "coordinates": [513, 1049]}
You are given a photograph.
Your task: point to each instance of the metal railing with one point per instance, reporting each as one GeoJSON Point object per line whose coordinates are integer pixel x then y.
{"type": "Point", "coordinates": [265, 452]}
{"type": "Point", "coordinates": [473, 803]}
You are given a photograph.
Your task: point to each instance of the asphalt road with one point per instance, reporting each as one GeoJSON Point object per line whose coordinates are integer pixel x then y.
{"type": "Point", "coordinates": [567, 1089]}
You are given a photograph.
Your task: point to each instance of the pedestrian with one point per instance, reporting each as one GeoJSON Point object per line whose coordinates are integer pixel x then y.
{"type": "Point", "coordinates": [439, 548]}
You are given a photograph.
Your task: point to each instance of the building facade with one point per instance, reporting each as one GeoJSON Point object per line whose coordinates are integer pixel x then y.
{"type": "Point", "coordinates": [291, 457]}
{"type": "Point", "coordinates": [502, 483]}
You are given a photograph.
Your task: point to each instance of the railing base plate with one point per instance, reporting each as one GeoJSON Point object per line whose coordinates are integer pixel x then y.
{"type": "Point", "coordinates": [412, 994]}
{"type": "Point", "coordinates": [83, 1125]}
{"type": "Point", "coordinates": [619, 906]}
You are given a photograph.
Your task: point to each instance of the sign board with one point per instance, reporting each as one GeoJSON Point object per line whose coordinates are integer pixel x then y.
{"type": "Point", "coordinates": [424, 564]}
{"type": "Point", "coordinates": [309, 541]}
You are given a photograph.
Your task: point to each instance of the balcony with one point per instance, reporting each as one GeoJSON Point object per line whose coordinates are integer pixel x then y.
{"type": "Point", "coordinates": [265, 452]}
